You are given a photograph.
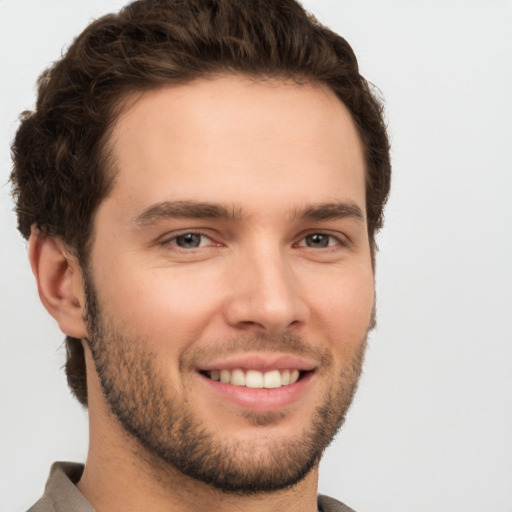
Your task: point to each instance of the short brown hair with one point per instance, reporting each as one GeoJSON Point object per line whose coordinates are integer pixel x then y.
{"type": "Point", "coordinates": [61, 168]}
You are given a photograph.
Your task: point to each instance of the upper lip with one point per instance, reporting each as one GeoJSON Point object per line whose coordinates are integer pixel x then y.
{"type": "Point", "coordinates": [260, 361]}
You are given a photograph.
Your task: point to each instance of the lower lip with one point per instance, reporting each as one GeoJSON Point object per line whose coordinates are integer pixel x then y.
{"type": "Point", "coordinates": [260, 399]}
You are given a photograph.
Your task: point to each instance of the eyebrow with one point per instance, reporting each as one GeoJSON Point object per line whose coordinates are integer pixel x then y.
{"type": "Point", "coordinates": [330, 211]}
{"type": "Point", "coordinates": [205, 210]}
{"type": "Point", "coordinates": [187, 210]}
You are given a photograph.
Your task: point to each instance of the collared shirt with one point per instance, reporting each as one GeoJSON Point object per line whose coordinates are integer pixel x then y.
{"type": "Point", "coordinates": [61, 494]}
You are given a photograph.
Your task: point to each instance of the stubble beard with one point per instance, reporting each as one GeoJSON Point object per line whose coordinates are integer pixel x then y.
{"type": "Point", "coordinates": [172, 437]}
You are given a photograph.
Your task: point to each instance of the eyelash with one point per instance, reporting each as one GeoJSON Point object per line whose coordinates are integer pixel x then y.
{"type": "Point", "coordinates": [173, 240]}
{"type": "Point", "coordinates": [339, 241]}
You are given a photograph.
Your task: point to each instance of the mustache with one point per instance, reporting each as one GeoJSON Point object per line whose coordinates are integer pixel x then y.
{"type": "Point", "coordinates": [287, 342]}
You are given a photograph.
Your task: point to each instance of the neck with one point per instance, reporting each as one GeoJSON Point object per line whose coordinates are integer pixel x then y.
{"type": "Point", "coordinates": [116, 486]}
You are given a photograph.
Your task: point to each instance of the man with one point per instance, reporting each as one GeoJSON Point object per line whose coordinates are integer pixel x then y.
{"type": "Point", "coordinates": [201, 183]}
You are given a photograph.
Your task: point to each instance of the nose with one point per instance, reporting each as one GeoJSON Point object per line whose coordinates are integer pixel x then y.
{"type": "Point", "coordinates": [265, 295]}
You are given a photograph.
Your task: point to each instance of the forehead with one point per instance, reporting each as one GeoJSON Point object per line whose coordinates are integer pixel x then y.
{"type": "Point", "coordinates": [236, 140]}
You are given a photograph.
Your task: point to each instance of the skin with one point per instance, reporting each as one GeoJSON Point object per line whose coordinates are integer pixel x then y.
{"type": "Point", "coordinates": [266, 152]}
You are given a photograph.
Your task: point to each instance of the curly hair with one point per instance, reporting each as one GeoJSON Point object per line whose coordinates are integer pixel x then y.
{"type": "Point", "coordinates": [62, 170]}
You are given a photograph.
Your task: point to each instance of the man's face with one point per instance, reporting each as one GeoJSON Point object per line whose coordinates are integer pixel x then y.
{"type": "Point", "coordinates": [233, 246]}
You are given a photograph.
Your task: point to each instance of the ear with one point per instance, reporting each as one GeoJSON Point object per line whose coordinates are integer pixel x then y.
{"type": "Point", "coordinates": [59, 282]}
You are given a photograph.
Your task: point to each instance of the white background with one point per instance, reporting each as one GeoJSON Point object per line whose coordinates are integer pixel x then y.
{"type": "Point", "coordinates": [431, 427]}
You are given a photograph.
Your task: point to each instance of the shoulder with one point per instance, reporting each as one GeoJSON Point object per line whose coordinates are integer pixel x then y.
{"type": "Point", "coordinates": [61, 494]}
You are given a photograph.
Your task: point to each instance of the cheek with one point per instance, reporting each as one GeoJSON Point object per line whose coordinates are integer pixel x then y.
{"type": "Point", "coordinates": [167, 308]}
{"type": "Point", "coordinates": [344, 310]}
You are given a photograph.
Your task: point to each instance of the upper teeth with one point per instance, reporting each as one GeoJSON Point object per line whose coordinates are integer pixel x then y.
{"type": "Point", "coordinates": [255, 378]}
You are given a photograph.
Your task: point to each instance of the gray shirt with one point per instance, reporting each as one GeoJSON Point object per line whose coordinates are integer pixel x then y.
{"type": "Point", "coordinates": [61, 494]}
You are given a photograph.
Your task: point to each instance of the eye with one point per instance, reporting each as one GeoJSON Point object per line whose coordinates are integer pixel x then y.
{"type": "Point", "coordinates": [319, 241]}
{"type": "Point", "coordinates": [190, 240]}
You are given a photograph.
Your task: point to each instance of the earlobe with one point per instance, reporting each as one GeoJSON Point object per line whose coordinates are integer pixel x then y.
{"type": "Point", "coordinates": [59, 282]}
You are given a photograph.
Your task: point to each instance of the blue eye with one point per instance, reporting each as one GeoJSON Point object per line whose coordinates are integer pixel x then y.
{"type": "Point", "coordinates": [189, 240]}
{"type": "Point", "coordinates": [318, 240]}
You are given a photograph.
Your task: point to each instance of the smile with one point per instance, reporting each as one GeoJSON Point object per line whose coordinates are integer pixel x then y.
{"type": "Point", "coordinates": [258, 383]}
{"type": "Point", "coordinates": [255, 379]}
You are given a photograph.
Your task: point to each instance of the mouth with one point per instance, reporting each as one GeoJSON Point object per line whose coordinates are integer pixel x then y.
{"type": "Point", "coordinates": [258, 382]}
{"type": "Point", "coordinates": [256, 379]}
